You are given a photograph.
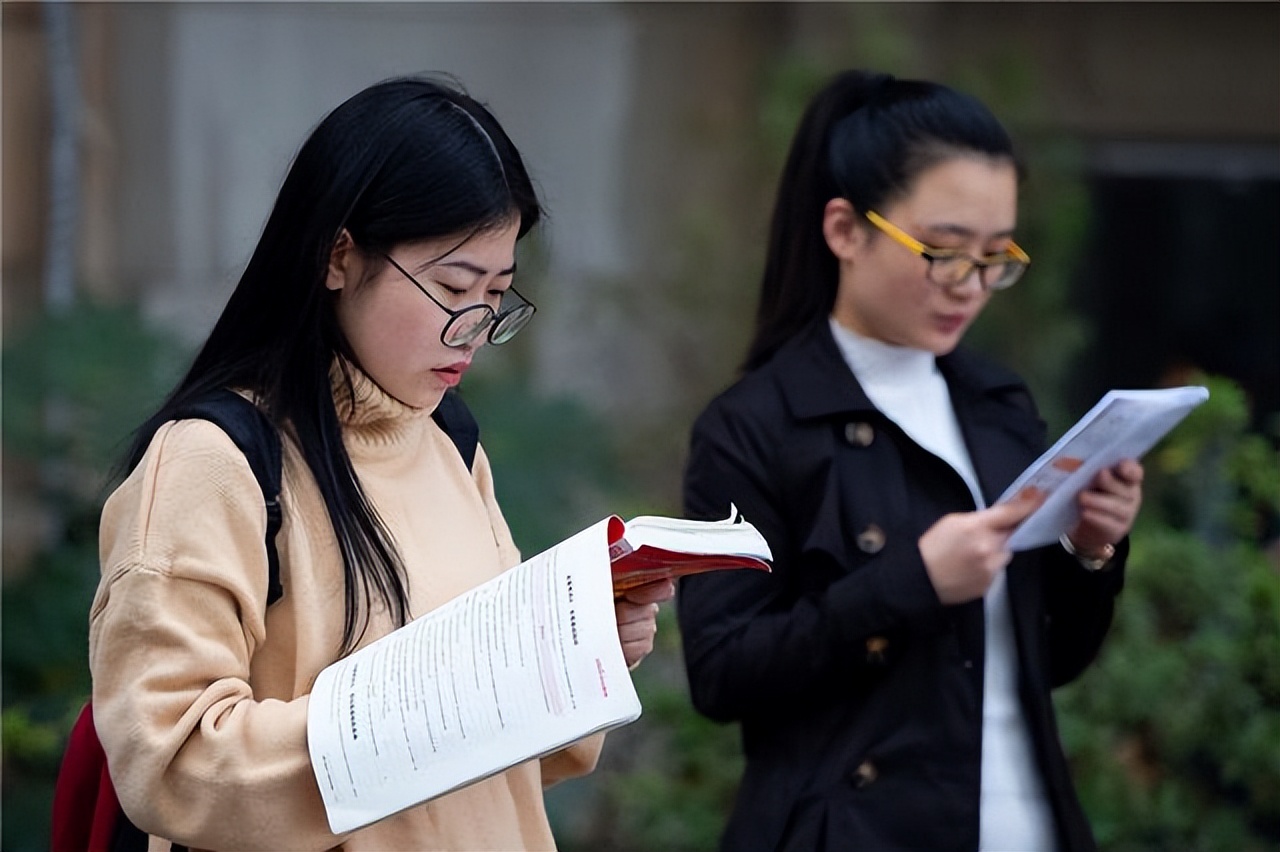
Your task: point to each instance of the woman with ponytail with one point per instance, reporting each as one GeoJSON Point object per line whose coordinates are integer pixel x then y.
{"type": "Point", "coordinates": [892, 675]}
{"type": "Point", "coordinates": [386, 264]}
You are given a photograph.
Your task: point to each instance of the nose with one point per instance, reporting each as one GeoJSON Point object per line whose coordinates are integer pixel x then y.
{"type": "Point", "coordinates": [472, 345]}
{"type": "Point", "coordinates": [960, 288]}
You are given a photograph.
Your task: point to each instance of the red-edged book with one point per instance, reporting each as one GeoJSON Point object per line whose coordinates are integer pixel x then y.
{"type": "Point", "coordinates": [649, 548]}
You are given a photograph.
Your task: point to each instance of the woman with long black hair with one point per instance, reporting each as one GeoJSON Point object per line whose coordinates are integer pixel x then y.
{"type": "Point", "coordinates": [386, 263]}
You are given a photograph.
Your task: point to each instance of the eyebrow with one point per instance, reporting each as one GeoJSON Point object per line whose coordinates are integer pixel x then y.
{"type": "Point", "coordinates": [465, 266]}
{"type": "Point", "coordinates": [961, 231]}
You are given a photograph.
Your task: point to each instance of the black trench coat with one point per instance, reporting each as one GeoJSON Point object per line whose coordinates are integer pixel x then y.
{"type": "Point", "coordinates": [859, 694]}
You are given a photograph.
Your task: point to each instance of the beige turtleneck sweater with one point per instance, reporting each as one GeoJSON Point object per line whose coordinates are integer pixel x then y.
{"type": "Point", "coordinates": [200, 692]}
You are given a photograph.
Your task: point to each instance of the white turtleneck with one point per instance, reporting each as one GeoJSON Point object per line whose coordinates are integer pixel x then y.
{"type": "Point", "coordinates": [906, 386]}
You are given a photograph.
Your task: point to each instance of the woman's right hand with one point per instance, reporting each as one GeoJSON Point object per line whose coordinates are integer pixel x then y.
{"type": "Point", "coordinates": [964, 552]}
{"type": "Point", "coordinates": [637, 614]}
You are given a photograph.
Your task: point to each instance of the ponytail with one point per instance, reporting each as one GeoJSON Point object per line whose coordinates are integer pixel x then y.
{"type": "Point", "coordinates": [864, 137]}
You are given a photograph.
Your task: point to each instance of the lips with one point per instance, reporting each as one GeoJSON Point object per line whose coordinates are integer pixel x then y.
{"type": "Point", "coordinates": [950, 323]}
{"type": "Point", "coordinates": [452, 374]}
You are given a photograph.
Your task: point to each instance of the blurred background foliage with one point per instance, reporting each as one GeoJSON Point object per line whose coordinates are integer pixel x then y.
{"type": "Point", "coordinates": [76, 383]}
{"type": "Point", "coordinates": [1175, 730]}
{"type": "Point", "coordinates": [1174, 733]}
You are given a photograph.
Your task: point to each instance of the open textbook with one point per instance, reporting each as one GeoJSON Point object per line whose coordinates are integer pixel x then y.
{"type": "Point", "coordinates": [1125, 424]}
{"type": "Point", "coordinates": [649, 548]}
{"type": "Point", "coordinates": [514, 669]}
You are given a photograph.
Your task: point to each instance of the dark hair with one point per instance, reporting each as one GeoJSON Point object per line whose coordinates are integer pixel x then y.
{"type": "Point", "coordinates": [864, 137]}
{"type": "Point", "coordinates": [406, 159]}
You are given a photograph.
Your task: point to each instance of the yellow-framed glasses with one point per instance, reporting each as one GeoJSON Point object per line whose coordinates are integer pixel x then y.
{"type": "Point", "coordinates": [951, 268]}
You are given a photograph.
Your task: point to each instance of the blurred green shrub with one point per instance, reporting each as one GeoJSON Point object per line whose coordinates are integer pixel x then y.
{"type": "Point", "coordinates": [1174, 733]}
{"type": "Point", "coordinates": [555, 463]}
{"type": "Point", "coordinates": [664, 782]}
{"type": "Point", "coordinates": [75, 386]}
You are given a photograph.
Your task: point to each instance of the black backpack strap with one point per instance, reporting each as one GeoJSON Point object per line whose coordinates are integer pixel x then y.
{"type": "Point", "coordinates": [456, 420]}
{"type": "Point", "coordinates": [256, 437]}
{"type": "Point", "coordinates": [129, 838]}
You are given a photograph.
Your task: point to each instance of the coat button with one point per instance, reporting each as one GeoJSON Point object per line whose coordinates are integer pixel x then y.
{"type": "Point", "coordinates": [876, 646]}
{"type": "Point", "coordinates": [859, 434]}
{"type": "Point", "coordinates": [871, 539]}
{"type": "Point", "coordinates": [865, 774]}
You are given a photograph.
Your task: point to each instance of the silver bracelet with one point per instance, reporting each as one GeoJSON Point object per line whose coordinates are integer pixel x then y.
{"type": "Point", "coordinates": [1092, 563]}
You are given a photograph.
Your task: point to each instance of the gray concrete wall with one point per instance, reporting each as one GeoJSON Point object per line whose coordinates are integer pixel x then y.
{"type": "Point", "coordinates": [640, 122]}
{"type": "Point", "coordinates": [214, 99]}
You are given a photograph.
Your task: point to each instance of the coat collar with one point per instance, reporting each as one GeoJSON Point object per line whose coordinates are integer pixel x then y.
{"type": "Point", "coordinates": [818, 383]}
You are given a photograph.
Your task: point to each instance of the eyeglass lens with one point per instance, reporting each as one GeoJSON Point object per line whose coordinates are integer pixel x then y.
{"type": "Point", "coordinates": [466, 325]}
{"type": "Point", "coordinates": [470, 323]}
{"type": "Point", "coordinates": [953, 270]}
{"type": "Point", "coordinates": [510, 322]}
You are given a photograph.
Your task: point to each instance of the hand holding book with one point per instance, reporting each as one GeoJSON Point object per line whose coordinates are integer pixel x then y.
{"type": "Point", "coordinates": [1108, 507]}
{"type": "Point", "coordinates": [1125, 424]}
{"type": "Point", "coordinates": [514, 669]}
{"type": "Point", "coordinates": [648, 553]}
{"type": "Point", "coordinates": [636, 611]}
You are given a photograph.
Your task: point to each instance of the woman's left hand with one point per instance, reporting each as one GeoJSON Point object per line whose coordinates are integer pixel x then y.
{"type": "Point", "coordinates": [1108, 507]}
{"type": "Point", "coordinates": [637, 612]}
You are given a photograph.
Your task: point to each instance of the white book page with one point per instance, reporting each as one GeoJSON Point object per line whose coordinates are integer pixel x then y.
{"type": "Point", "coordinates": [731, 536]}
{"type": "Point", "coordinates": [1125, 424]}
{"type": "Point", "coordinates": [516, 668]}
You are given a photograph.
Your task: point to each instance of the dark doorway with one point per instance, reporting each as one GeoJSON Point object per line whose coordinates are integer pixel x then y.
{"type": "Point", "coordinates": [1183, 272]}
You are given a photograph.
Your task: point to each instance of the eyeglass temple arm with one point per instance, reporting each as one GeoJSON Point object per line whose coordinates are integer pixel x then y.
{"type": "Point", "coordinates": [897, 233]}
{"type": "Point", "coordinates": [920, 248]}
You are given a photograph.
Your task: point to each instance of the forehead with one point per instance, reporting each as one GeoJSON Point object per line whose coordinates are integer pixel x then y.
{"type": "Point", "coordinates": [978, 193]}
{"type": "Point", "coordinates": [482, 251]}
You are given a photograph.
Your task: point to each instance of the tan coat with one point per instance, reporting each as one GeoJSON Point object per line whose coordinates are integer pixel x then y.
{"type": "Point", "coordinates": [200, 692]}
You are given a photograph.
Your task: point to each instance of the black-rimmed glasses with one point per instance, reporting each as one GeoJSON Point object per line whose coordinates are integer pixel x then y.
{"type": "Point", "coordinates": [466, 325]}
{"type": "Point", "coordinates": [951, 268]}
